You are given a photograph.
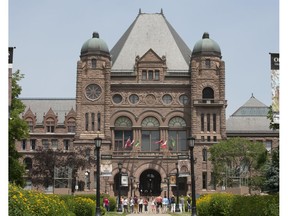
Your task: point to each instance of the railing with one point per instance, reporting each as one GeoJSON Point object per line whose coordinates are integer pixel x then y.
{"type": "Point", "coordinates": [147, 154]}
{"type": "Point", "coordinates": [209, 101]}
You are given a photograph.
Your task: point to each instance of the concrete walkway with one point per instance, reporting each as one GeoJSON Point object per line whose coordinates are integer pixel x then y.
{"type": "Point", "coordinates": [150, 214]}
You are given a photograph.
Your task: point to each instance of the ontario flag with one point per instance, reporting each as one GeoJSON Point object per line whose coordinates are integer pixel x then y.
{"type": "Point", "coordinates": [164, 144]}
{"type": "Point", "coordinates": [137, 143]}
{"type": "Point", "coordinates": [172, 142]}
{"type": "Point", "coordinates": [128, 143]}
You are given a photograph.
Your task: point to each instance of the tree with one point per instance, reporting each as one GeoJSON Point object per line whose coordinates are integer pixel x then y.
{"type": "Point", "coordinates": [18, 130]}
{"type": "Point", "coordinates": [238, 158]}
{"type": "Point", "coordinates": [271, 173]}
{"type": "Point", "coordinates": [45, 162]}
{"type": "Point", "coordinates": [270, 116]}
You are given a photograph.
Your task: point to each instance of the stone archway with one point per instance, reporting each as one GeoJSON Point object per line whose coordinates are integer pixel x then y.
{"type": "Point", "coordinates": [150, 183]}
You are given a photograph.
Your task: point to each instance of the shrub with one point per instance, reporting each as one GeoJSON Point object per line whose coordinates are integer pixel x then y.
{"type": "Point", "coordinates": [256, 205]}
{"type": "Point", "coordinates": [229, 205]}
{"type": "Point", "coordinates": [82, 206]}
{"type": "Point", "coordinates": [202, 204]}
{"type": "Point", "coordinates": [24, 203]}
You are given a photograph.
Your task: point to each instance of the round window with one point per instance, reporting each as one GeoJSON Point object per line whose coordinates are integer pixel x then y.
{"type": "Point", "coordinates": [93, 91]}
{"type": "Point", "coordinates": [167, 99]}
{"type": "Point", "coordinates": [184, 99]}
{"type": "Point", "coordinates": [134, 98]}
{"type": "Point", "coordinates": [117, 98]}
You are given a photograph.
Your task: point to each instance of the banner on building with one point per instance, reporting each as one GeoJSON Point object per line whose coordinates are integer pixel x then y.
{"type": "Point", "coordinates": [184, 168]}
{"type": "Point", "coordinates": [274, 61]}
{"type": "Point", "coordinates": [10, 55]}
{"type": "Point", "coordinates": [124, 180]}
{"type": "Point", "coordinates": [275, 86]}
{"type": "Point", "coordinates": [173, 180]}
{"type": "Point", "coordinates": [106, 168]}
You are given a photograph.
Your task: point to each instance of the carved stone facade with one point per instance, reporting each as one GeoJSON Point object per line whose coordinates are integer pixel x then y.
{"type": "Point", "coordinates": [149, 106]}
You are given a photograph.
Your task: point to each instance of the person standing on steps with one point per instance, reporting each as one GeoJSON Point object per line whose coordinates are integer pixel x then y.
{"type": "Point", "coordinates": [173, 204]}
{"type": "Point", "coordinates": [140, 205]}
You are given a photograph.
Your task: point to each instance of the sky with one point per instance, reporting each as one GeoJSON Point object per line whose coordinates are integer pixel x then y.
{"type": "Point", "coordinates": [48, 36]}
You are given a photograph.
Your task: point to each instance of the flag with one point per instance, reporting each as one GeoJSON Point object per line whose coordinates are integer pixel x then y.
{"type": "Point", "coordinates": [172, 142]}
{"type": "Point", "coordinates": [137, 143]}
{"type": "Point", "coordinates": [159, 142]}
{"type": "Point", "coordinates": [164, 145]}
{"type": "Point", "coordinates": [128, 143]}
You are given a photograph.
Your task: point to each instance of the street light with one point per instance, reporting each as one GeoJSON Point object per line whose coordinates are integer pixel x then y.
{"type": "Point", "coordinates": [131, 182]}
{"type": "Point", "coordinates": [177, 188]}
{"type": "Point", "coordinates": [98, 142]}
{"type": "Point", "coordinates": [167, 179]}
{"type": "Point", "coordinates": [119, 189]}
{"type": "Point", "coordinates": [191, 141]}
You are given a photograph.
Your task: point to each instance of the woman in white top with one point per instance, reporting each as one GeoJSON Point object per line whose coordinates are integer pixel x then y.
{"type": "Point", "coordinates": [153, 205]}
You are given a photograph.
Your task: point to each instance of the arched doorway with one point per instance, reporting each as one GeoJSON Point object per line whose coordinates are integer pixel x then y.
{"type": "Point", "coordinates": [150, 183]}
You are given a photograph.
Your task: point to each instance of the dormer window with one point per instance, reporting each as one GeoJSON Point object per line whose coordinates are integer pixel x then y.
{"type": "Point", "coordinates": [150, 75]}
{"type": "Point", "coordinates": [71, 125]}
{"type": "Point", "coordinates": [50, 125]}
{"type": "Point", "coordinates": [30, 124]}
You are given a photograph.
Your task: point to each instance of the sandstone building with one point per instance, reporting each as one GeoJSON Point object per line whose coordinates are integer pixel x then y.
{"type": "Point", "coordinates": [150, 90]}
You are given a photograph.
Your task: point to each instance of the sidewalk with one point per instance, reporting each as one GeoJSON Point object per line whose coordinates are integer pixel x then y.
{"type": "Point", "coordinates": [150, 214]}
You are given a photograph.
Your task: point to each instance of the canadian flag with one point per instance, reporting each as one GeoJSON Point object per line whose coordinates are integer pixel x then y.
{"type": "Point", "coordinates": [164, 145]}
{"type": "Point", "coordinates": [128, 143]}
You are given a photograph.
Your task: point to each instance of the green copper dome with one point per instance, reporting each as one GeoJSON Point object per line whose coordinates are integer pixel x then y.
{"type": "Point", "coordinates": [95, 45]}
{"type": "Point", "coordinates": [206, 46]}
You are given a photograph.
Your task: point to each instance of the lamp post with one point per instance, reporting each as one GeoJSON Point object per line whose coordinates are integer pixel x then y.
{"type": "Point", "coordinates": [177, 188]}
{"type": "Point", "coordinates": [168, 190]}
{"type": "Point", "coordinates": [119, 189]}
{"type": "Point", "coordinates": [131, 182]}
{"type": "Point", "coordinates": [191, 141]}
{"type": "Point", "coordinates": [98, 142]}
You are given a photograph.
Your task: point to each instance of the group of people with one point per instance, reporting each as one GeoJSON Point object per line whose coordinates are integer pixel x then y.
{"type": "Point", "coordinates": [134, 204]}
{"type": "Point", "coordinates": [154, 205]}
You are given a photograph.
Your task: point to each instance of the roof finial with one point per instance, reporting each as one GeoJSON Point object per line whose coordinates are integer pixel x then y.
{"type": "Point", "coordinates": [140, 11]}
{"type": "Point", "coordinates": [161, 11]}
{"type": "Point", "coordinates": [95, 35]}
{"type": "Point", "coordinates": [252, 96]}
{"type": "Point", "coordinates": [205, 35]}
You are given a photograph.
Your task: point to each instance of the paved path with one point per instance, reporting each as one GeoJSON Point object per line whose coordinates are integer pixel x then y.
{"type": "Point", "coordinates": [150, 214]}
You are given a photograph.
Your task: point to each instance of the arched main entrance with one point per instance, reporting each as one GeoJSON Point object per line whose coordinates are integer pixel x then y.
{"type": "Point", "coordinates": [150, 183]}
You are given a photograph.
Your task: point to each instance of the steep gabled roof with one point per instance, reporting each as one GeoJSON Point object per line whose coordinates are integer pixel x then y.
{"type": "Point", "coordinates": [40, 106]}
{"type": "Point", "coordinates": [150, 31]}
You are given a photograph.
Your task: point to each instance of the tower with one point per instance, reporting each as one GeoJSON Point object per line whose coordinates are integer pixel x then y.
{"type": "Point", "coordinates": [208, 91]}
{"type": "Point", "coordinates": [93, 90]}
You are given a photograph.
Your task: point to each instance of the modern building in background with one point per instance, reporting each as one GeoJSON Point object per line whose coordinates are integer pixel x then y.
{"type": "Point", "coordinates": [144, 98]}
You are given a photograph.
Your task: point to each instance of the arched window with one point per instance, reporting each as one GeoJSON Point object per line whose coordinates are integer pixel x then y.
{"type": "Point", "coordinates": [123, 133]}
{"type": "Point", "coordinates": [92, 121]}
{"type": "Point", "coordinates": [177, 134]}
{"type": "Point", "coordinates": [150, 134]}
{"type": "Point", "coordinates": [208, 93]}
{"type": "Point", "coordinates": [93, 63]}
{"type": "Point", "coordinates": [99, 120]}
{"type": "Point", "coordinates": [204, 154]}
{"type": "Point", "coordinates": [86, 121]}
